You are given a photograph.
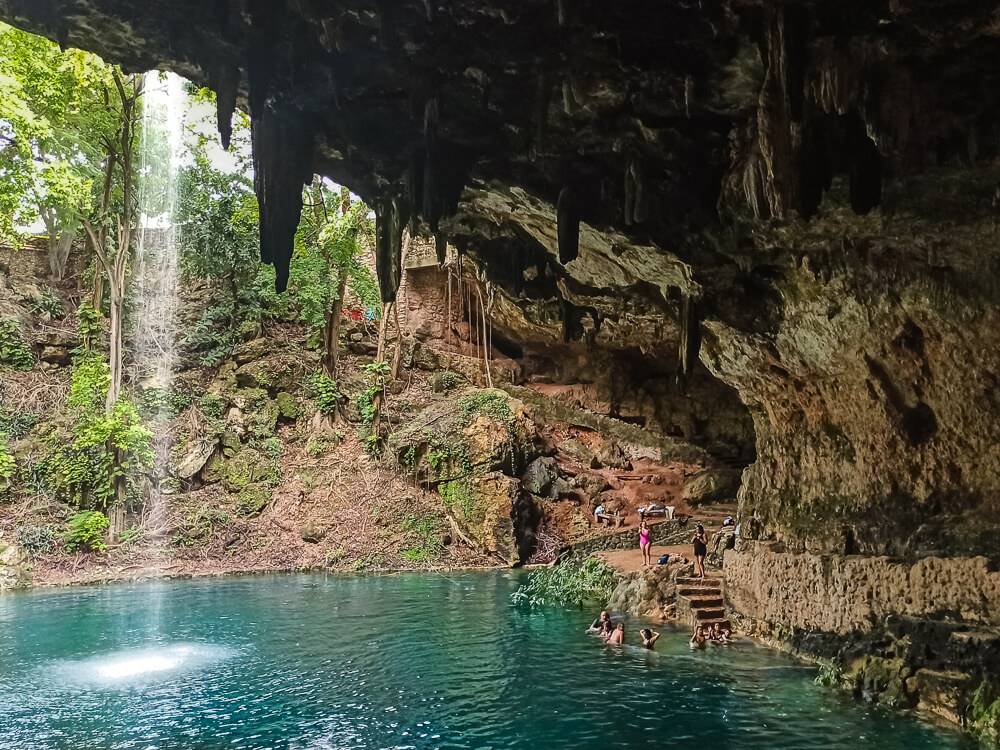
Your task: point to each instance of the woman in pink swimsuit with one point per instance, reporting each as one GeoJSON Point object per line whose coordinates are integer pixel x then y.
{"type": "Point", "coordinates": [644, 544]}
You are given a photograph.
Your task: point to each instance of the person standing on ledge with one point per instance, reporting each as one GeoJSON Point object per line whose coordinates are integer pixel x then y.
{"type": "Point", "coordinates": [644, 543]}
{"type": "Point", "coordinates": [700, 550]}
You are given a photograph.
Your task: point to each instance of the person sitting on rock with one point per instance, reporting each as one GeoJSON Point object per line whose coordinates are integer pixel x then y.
{"type": "Point", "coordinates": [598, 624]}
{"type": "Point", "coordinates": [617, 636]}
{"type": "Point", "coordinates": [698, 638]}
{"type": "Point", "coordinates": [649, 638]}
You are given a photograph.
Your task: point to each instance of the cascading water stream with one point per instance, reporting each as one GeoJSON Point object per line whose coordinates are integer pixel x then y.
{"type": "Point", "coordinates": [154, 338]}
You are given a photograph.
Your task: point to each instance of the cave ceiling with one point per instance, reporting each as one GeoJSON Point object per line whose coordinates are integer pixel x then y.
{"type": "Point", "coordinates": [579, 149]}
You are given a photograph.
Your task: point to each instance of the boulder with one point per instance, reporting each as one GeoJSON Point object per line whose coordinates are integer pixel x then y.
{"type": "Point", "coordinates": [277, 372]}
{"type": "Point", "coordinates": [312, 533]}
{"type": "Point", "coordinates": [14, 571]}
{"type": "Point", "coordinates": [192, 457]}
{"type": "Point", "coordinates": [540, 475]}
{"type": "Point", "coordinates": [253, 350]}
{"type": "Point", "coordinates": [288, 406]}
{"type": "Point", "coordinates": [484, 507]}
{"type": "Point", "coordinates": [711, 486]}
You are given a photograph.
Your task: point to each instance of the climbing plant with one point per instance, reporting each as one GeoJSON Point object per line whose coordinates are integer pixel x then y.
{"type": "Point", "coordinates": [14, 350]}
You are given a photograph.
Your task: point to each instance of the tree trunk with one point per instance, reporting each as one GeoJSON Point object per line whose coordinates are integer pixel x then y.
{"type": "Point", "coordinates": [59, 254]}
{"type": "Point", "coordinates": [115, 345]}
{"type": "Point", "coordinates": [331, 334]}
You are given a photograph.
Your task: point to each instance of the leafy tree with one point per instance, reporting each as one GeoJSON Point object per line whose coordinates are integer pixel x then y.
{"type": "Point", "coordinates": [53, 115]}
{"type": "Point", "coordinates": [331, 236]}
{"type": "Point", "coordinates": [218, 214]}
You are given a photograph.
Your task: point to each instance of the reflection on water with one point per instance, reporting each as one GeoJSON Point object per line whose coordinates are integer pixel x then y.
{"type": "Point", "coordinates": [138, 666]}
{"type": "Point", "coordinates": [414, 661]}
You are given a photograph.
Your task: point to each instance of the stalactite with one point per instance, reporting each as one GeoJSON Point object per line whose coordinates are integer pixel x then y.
{"type": "Point", "coordinates": [429, 10]}
{"type": "Point", "coordinates": [282, 160]}
{"type": "Point", "coordinates": [391, 217]}
{"type": "Point", "coordinates": [688, 95]}
{"type": "Point", "coordinates": [415, 186]}
{"type": "Point", "coordinates": [561, 12]}
{"type": "Point", "coordinates": [569, 99]}
{"type": "Point", "coordinates": [568, 225]}
{"type": "Point", "coordinates": [690, 338]}
{"type": "Point", "coordinates": [431, 204]}
{"type": "Point", "coordinates": [225, 80]}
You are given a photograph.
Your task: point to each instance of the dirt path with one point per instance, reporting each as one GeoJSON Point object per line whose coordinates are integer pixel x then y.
{"type": "Point", "coordinates": [630, 560]}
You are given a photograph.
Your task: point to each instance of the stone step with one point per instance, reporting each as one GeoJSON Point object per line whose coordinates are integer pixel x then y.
{"type": "Point", "coordinates": [705, 602]}
{"type": "Point", "coordinates": [690, 591]}
{"type": "Point", "coordinates": [709, 582]}
{"type": "Point", "coordinates": [701, 615]}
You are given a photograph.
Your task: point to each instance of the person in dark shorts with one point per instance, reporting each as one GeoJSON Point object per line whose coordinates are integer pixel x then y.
{"type": "Point", "coordinates": [598, 624]}
{"type": "Point", "coordinates": [700, 550]}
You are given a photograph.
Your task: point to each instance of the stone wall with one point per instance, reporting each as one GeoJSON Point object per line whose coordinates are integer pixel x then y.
{"type": "Point", "coordinates": [663, 533]}
{"type": "Point", "coordinates": [424, 302]}
{"type": "Point", "coordinates": [782, 592]}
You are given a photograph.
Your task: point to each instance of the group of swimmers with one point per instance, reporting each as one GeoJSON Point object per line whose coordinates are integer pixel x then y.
{"type": "Point", "coordinates": [718, 634]}
{"type": "Point", "coordinates": [614, 633]}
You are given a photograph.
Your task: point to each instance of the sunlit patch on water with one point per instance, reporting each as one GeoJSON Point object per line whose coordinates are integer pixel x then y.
{"type": "Point", "coordinates": [138, 666]}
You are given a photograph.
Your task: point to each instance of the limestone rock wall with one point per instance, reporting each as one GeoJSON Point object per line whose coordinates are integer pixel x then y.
{"type": "Point", "coordinates": [784, 592]}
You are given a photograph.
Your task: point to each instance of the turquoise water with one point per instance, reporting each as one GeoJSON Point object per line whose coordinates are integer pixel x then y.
{"type": "Point", "coordinates": [412, 661]}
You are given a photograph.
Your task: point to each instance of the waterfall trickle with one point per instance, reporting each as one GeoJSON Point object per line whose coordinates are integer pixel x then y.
{"type": "Point", "coordinates": [154, 338]}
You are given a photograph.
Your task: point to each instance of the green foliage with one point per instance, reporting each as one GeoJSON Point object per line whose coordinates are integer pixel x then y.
{"type": "Point", "coordinates": [449, 380]}
{"type": "Point", "coordinates": [53, 122]}
{"type": "Point", "coordinates": [15, 425]}
{"type": "Point", "coordinates": [89, 322]}
{"type": "Point", "coordinates": [35, 540]}
{"type": "Point", "coordinates": [458, 493]}
{"type": "Point", "coordinates": [8, 467]}
{"type": "Point", "coordinates": [830, 674]}
{"type": "Point", "coordinates": [103, 446]}
{"type": "Point", "coordinates": [14, 350]}
{"type": "Point", "coordinates": [220, 242]}
{"type": "Point", "coordinates": [131, 535]}
{"type": "Point", "coordinates": [375, 375]}
{"type": "Point", "coordinates": [156, 401]}
{"type": "Point", "coordinates": [212, 406]}
{"type": "Point", "coordinates": [328, 244]}
{"type": "Point", "coordinates": [984, 713]}
{"type": "Point", "coordinates": [576, 580]}
{"type": "Point", "coordinates": [271, 447]}
{"type": "Point", "coordinates": [490, 403]}
{"type": "Point", "coordinates": [86, 530]}
{"type": "Point", "coordinates": [47, 303]}
{"type": "Point", "coordinates": [424, 536]}
{"type": "Point", "coordinates": [325, 392]}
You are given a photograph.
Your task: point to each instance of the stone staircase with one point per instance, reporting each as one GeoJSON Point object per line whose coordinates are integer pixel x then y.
{"type": "Point", "coordinates": [700, 601]}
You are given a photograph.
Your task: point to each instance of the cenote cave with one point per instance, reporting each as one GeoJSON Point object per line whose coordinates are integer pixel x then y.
{"type": "Point", "coordinates": [356, 354]}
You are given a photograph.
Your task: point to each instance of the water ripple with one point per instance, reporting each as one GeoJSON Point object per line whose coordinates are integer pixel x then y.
{"type": "Point", "coordinates": [314, 662]}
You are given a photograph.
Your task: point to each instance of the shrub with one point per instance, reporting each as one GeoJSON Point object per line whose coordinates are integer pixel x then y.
{"type": "Point", "coordinates": [325, 391]}
{"type": "Point", "coordinates": [15, 425]}
{"type": "Point", "coordinates": [424, 534]}
{"type": "Point", "coordinates": [984, 713]}
{"type": "Point", "coordinates": [47, 303]}
{"type": "Point", "coordinates": [85, 530]}
{"type": "Point", "coordinates": [14, 350]}
{"type": "Point", "coordinates": [35, 540]}
{"type": "Point", "coordinates": [575, 581]}
{"type": "Point", "coordinates": [8, 467]}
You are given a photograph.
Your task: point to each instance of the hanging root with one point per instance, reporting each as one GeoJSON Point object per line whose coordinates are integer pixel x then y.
{"type": "Point", "coordinates": [635, 203]}
{"type": "Point", "coordinates": [568, 226]}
